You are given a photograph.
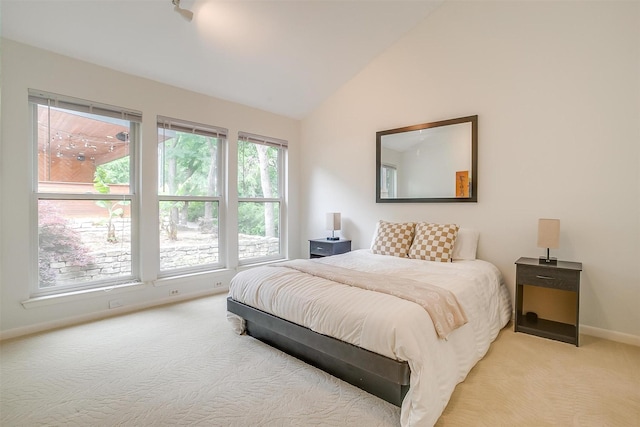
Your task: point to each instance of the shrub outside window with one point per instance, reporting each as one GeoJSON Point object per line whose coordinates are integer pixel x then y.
{"type": "Point", "coordinates": [84, 193]}
{"type": "Point", "coordinates": [261, 201]}
{"type": "Point", "coordinates": [190, 183]}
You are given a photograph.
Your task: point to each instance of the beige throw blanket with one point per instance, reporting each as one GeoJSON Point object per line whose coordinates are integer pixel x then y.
{"type": "Point", "coordinates": [440, 304]}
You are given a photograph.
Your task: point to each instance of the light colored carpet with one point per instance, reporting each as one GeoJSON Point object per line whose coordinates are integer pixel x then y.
{"type": "Point", "coordinates": [182, 365]}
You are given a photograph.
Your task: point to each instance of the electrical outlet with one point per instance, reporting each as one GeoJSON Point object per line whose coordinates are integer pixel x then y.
{"type": "Point", "coordinates": [115, 303]}
{"type": "Point", "coordinates": [174, 292]}
{"type": "Point", "coordinates": [217, 284]}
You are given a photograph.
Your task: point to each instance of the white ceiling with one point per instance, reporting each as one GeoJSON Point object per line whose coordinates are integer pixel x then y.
{"type": "Point", "coordinates": [280, 56]}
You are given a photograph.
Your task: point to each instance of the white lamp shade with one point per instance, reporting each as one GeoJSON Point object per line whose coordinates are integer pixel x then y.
{"type": "Point", "coordinates": [548, 233]}
{"type": "Point", "coordinates": [333, 221]}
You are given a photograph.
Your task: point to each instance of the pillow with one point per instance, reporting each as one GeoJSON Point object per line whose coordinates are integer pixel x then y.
{"type": "Point", "coordinates": [393, 238]}
{"type": "Point", "coordinates": [466, 244]}
{"type": "Point", "coordinates": [433, 242]}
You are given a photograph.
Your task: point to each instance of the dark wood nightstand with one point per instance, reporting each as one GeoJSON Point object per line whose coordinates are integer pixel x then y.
{"type": "Point", "coordinates": [564, 276]}
{"type": "Point", "coordinates": [319, 248]}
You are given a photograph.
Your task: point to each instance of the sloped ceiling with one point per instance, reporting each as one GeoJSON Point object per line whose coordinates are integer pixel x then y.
{"type": "Point", "coordinates": [285, 57]}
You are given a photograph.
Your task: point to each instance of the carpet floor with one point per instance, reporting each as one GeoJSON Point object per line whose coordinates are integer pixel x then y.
{"type": "Point", "coordinates": [181, 364]}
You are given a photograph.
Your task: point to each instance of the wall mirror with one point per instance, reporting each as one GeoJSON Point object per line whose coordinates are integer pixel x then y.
{"type": "Point", "coordinates": [429, 163]}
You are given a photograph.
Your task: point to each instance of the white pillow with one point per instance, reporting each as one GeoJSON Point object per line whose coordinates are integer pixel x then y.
{"type": "Point", "coordinates": [375, 234]}
{"type": "Point", "coordinates": [466, 244]}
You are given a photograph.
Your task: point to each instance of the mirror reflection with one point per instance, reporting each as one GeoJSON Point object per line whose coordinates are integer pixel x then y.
{"type": "Point", "coordinates": [431, 162]}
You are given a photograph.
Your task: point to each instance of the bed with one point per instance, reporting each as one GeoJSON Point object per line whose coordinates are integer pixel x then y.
{"type": "Point", "coordinates": [383, 343]}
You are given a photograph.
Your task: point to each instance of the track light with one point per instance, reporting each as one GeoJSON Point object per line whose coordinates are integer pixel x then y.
{"type": "Point", "coordinates": [186, 14]}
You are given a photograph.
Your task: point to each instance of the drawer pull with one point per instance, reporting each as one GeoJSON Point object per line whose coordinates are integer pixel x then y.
{"type": "Point", "coordinates": [545, 277]}
{"type": "Point", "coordinates": [319, 248]}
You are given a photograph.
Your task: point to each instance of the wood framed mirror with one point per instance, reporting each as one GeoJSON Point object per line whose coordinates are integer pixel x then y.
{"type": "Point", "coordinates": [433, 162]}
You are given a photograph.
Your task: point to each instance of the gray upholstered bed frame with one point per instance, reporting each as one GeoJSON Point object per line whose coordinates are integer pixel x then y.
{"type": "Point", "coordinates": [379, 375]}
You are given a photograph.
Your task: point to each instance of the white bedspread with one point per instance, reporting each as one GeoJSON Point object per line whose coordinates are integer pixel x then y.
{"type": "Point", "coordinates": [388, 325]}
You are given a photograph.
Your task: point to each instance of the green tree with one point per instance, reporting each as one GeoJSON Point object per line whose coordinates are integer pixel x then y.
{"type": "Point", "coordinates": [114, 209]}
{"type": "Point", "coordinates": [115, 172]}
{"type": "Point", "coordinates": [257, 177]}
{"type": "Point", "coordinates": [189, 168]}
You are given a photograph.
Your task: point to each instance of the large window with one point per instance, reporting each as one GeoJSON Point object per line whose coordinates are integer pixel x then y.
{"type": "Point", "coordinates": [190, 195]}
{"type": "Point", "coordinates": [261, 166]}
{"type": "Point", "coordinates": [84, 193]}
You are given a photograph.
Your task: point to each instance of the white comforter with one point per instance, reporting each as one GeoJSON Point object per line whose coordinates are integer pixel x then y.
{"type": "Point", "coordinates": [388, 325]}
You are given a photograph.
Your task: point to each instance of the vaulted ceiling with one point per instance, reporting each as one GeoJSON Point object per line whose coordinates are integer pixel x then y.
{"type": "Point", "coordinates": [280, 56]}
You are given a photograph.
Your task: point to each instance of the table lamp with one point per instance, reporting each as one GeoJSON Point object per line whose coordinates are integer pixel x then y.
{"type": "Point", "coordinates": [548, 237]}
{"type": "Point", "coordinates": [333, 224]}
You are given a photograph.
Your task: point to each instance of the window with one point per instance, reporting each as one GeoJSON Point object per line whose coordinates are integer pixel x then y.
{"type": "Point", "coordinates": [190, 182]}
{"type": "Point", "coordinates": [84, 193]}
{"type": "Point", "coordinates": [388, 180]}
{"type": "Point", "coordinates": [261, 166]}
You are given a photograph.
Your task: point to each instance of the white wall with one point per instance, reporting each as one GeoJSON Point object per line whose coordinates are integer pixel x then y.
{"type": "Point", "coordinates": [24, 67]}
{"type": "Point", "coordinates": [556, 86]}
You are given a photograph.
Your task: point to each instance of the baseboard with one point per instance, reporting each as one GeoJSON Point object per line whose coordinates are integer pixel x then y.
{"type": "Point", "coordinates": [610, 335]}
{"type": "Point", "coordinates": [98, 315]}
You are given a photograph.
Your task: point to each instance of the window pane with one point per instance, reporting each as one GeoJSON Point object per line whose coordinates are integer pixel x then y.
{"type": "Point", "coordinates": [258, 229]}
{"type": "Point", "coordinates": [82, 241]}
{"type": "Point", "coordinates": [188, 164]}
{"type": "Point", "coordinates": [81, 152]}
{"type": "Point", "coordinates": [258, 170]}
{"type": "Point", "coordinates": [388, 181]}
{"type": "Point", "coordinates": [188, 234]}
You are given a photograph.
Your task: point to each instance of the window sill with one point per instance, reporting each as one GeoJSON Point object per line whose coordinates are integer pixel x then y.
{"type": "Point", "coordinates": [80, 295]}
{"type": "Point", "coordinates": [170, 279]}
{"type": "Point", "coordinates": [261, 263]}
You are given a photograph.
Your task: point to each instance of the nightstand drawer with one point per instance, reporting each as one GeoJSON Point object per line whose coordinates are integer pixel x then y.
{"type": "Point", "coordinates": [321, 247]}
{"type": "Point", "coordinates": [567, 280]}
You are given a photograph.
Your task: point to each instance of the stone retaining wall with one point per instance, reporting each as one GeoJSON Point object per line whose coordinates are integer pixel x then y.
{"type": "Point", "coordinates": [114, 259]}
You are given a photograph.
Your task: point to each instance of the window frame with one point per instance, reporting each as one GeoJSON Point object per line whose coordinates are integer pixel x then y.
{"type": "Point", "coordinates": [222, 134]}
{"type": "Point", "coordinates": [37, 98]}
{"type": "Point", "coordinates": [281, 145]}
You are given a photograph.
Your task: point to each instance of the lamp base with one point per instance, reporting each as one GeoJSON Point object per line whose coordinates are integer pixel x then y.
{"type": "Point", "coordinates": [333, 238]}
{"type": "Point", "coordinates": [547, 261]}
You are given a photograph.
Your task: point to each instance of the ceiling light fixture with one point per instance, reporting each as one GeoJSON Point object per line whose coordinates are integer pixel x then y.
{"type": "Point", "coordinates": [186, 14]}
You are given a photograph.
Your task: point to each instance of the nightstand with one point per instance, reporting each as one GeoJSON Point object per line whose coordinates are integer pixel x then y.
{"type": "Point", "coordinates": [319, 248]}
{"type": "Point", "coordinates": [564, 276]}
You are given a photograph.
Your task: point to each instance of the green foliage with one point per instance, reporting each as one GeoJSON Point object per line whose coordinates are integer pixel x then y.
{"type": "Point", "coordinates": [249, 170]}
{"type": "Point", "coordinates": [257, 178]}
{"type": "Point", "coordinates": [114, 209]}
{"type": "Point", "coordinates": [99, 181]}
{"type": "Point", "coordinates": [251, 218]}
{"type": "Point", "coordinates": [195, 211]}
{"type": "Point", "coordinates": [188, 167]}
{"type": "Point", "coordinates": [186, 164]}
{"type": "Point", "coordinates": [114, 172]}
